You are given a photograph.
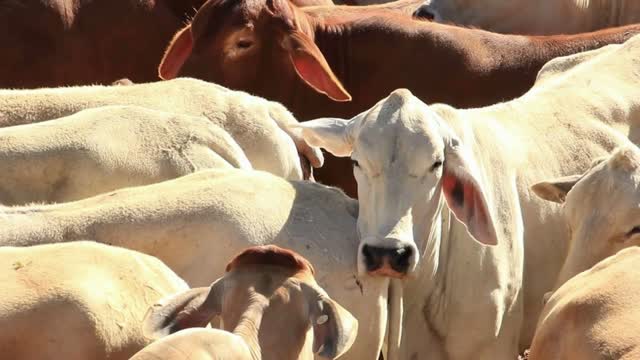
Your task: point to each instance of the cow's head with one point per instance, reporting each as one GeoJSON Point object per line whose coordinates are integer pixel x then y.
{"type": "Point", "coordinates": [404, 157]}
{"type": "Point", "coordinates": [273, 292]}
{"type": "Point", "coordinates": [246, 44]}
{"type": "Point", "coordinates": [601, 208]}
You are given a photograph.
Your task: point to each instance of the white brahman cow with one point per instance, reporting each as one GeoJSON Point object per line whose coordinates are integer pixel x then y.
{"type": "Point", "coordinates": [595, 314]}
{"type": "Point", "coordinates": [431, 179]}
{"type": "Point", "coordinates": [257, 125]}
{"type": "Point", "coordinates": [601, 208]}
{"type": "Point", "coordinates": [102, 149]}
{"type": "Point", "coordinates": [79, 300]}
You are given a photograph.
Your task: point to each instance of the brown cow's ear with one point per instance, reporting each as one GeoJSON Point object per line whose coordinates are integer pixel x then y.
{"type": "Point", "coordinates": [334, 328]}
{"type": "Point", "coordinates": [176, 55]}
{"type": "Point", "coordinates": [313, 68]}
{"type": "Point", "coordinates": [191, 308]}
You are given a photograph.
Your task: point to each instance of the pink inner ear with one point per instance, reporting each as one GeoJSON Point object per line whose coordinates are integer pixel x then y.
{"type": "Point", "coordinates": [467, 203]}
{"type": "Point", "coordinates": [313, 73]}
{"type": "Point", "coordinates": [176, 55]}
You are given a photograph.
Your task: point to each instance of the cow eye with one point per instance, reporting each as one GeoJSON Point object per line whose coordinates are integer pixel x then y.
{"type": "Point", "coordinates": [355, 163]}
{"type": "Point", "coordinates": [435, 165]}
{"type": "Point", "coordinates": [634, 231]}
{"type": "Point", "coordinates": [244, 44]}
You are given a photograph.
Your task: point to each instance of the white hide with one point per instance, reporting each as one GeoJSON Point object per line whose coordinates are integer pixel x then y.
{"type": "Point", "coordinates": [79, 300]}
{"type": "Point", "coordinates": [257, 125]}
{"type": "Point", "coordinates": [469, 300]}
{"type": "Point", "coordinates": [102, 149]}
{"type": "Point", "coordinates": [207, 218]}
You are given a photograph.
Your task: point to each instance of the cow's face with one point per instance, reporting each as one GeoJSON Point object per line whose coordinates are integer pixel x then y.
{"type": "Point", "coordinates": [601, 208]}
{"type": "Point", "coordinates": [270, 295]}
{"type": "Point", "coordinates": [259, 46]}
{"type": "Point", "coordinates": [404, 157]}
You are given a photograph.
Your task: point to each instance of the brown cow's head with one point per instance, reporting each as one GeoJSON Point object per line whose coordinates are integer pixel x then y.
{"type": "Point", "coordinates": [236, 42]}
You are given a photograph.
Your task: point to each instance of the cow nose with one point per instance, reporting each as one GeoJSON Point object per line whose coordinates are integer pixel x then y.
{"type": "Point", "coordinates": [387, 261]}
{"type": "Point", "coordinates": [423, 12]}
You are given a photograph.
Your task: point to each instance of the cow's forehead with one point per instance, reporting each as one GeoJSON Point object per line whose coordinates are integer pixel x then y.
{"type": "Point", "coordinates": [398, 121]}
{"type": "Point", "coordinates": [605, 187]}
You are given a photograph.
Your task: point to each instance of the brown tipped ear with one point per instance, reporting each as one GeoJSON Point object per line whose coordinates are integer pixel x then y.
{"type": "Point", "coordinates": [334, 328]}
{"type": "Point", "coordinates": [312, 67]}
{"type": "Point", "coordinates": [191, 308]}
{"type": "Point", "coordinates": [555, 190]}
{"type": "Point", "coordinates": [176, 55]}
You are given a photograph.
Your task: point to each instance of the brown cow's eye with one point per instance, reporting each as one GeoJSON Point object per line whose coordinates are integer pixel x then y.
{"type": "Point", "coordinates": [244, 44]}
{"type": "Point", "coordinates": [634, 231]}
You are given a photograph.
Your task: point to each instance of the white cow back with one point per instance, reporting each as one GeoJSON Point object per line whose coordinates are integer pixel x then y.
{"type": "Point", "coordinates": [253, 122]}
{"type": "Point", "coordinates": [203, 219]}
{"type": "Point", "coordinates": [78, 300]}
{"type": "Point", "coordinates": [103, 149]}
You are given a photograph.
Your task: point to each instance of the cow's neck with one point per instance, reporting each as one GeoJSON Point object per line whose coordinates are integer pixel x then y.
{"type": "Point", "coordinates": [438, 63]}
{"type": "Point", "coordinates": [428, 292]}
{"type": "Point", "coordinates": [249, 325]}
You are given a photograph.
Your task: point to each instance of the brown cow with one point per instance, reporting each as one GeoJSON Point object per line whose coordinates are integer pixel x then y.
{"type": "Point", "coordinates": [49, 43]}
{"type": "Point", "coordinates": [271, 301]}
{"type": "Point", "coordinates": [314, 61]}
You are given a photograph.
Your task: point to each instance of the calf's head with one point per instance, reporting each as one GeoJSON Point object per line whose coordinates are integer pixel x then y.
{"type": "Point", "coordinates": [275, 290]}
{"type": "Point", "coordinates": [404, 158]}
{"type": "Point", "coordinates": [601, 208]}
{"type": "Point", "coordinates": [258, 46]}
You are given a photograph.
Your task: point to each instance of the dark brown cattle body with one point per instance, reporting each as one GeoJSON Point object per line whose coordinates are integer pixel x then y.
{"type": "Point", "coordinates": [48, 43]}
{"type": "Point", "coordinates": [295, 56]}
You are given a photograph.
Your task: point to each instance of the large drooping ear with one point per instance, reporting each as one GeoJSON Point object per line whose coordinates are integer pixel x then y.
{"type": "Point", "coordinates": [555, 190]}
{"type": "Point", "coordinates": [176, 54]}
{"type": "Point", "coordinates": [465, 194]}
{"type": "Point", "coordinates": [312, 67]}
{"type": "Point", "coordinates": [331, 134]}
{"type": "Point", "coordinates": [192, 308]}
{"type": "Point", "coordinates": [334, 328]}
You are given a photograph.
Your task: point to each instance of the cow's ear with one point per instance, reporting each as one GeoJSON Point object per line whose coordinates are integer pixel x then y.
{"type": "Point", "coordinates": [191, 308]}
{"type": "Point", "coordinates": [465, 194]}
{"type": "Point", "coordinates": [312, 67]}
{"type": "Point", "coordinates": [176, 54]}
{"type": "Point", "coordinates": [331, 134]}
{"type": "Point", "coordinates": [334, 328]}
{"type": "Point", "coordinates": [555, 190]}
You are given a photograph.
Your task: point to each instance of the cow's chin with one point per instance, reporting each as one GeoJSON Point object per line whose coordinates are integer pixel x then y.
{"type": "Point", "coordinates": [387, 272]}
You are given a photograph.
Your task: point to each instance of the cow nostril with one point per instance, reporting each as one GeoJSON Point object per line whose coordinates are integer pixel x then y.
{"type": "Point", "coordinates": [424, 13]}
{"type": "Point", "coordinates": [401, 258]}
{"type": "Point", "coordinates": [370, 259]}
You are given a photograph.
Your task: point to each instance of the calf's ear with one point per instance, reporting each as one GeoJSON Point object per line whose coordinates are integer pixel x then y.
{"type": "Point", "coordinates": [555, 190]}
{"type": "Point", "coordinates": [176, 54]}
{"type": "Point", "coordinates": [331, 134]}
{"type": "Point", "coordinates": [334, 328]}
{"type": "Point", "coordinates": [465, 194]}
{"type": "Point", "coordinates": [312, 67]}
{"type": "Point", "coordinates": [191, 308]}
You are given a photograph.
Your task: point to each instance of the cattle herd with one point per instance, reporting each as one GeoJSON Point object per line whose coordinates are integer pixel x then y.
{"type": "Point", "coordinates": [164, 193]}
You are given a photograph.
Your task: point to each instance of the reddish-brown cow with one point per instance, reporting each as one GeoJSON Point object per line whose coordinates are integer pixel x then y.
{"type": "Point", "coordinates": [48, 43]}
{"type": "Point", "coordinates": [74, 42]}
{"type": "Point", "coordinates": [314, 61]}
